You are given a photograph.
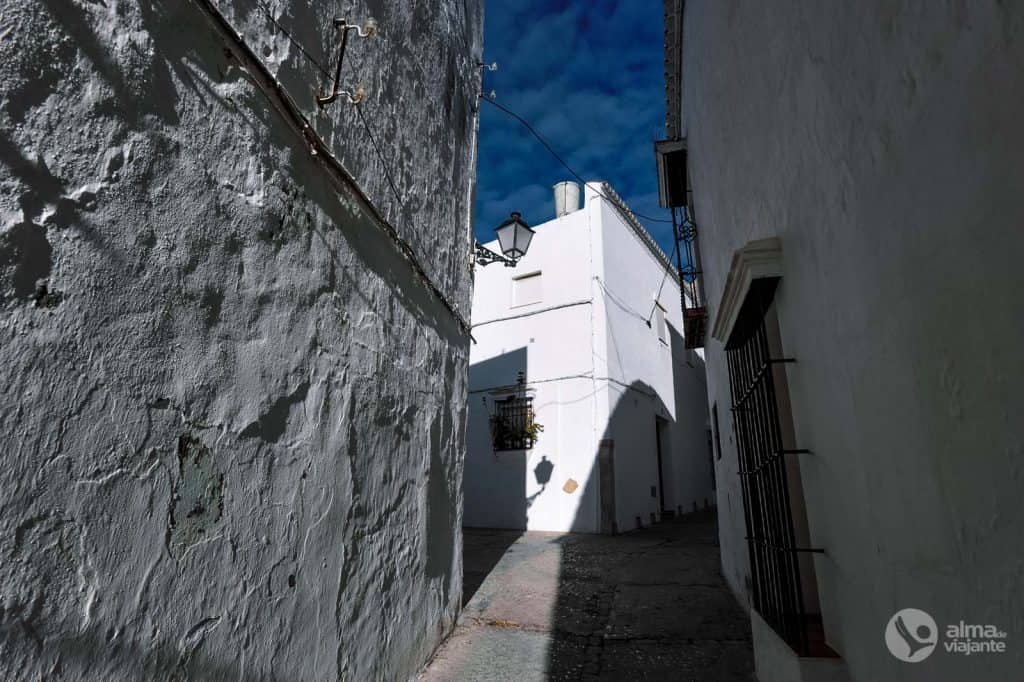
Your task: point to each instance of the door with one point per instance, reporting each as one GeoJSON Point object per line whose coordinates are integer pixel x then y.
{"type": "Point", "coordinates": [606, 471]}
{"type": "Point", "coordinates": [660, 435]}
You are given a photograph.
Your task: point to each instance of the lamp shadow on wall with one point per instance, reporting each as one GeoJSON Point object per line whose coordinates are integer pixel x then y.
{"type": "Point", "coordinates": [494, 482]}
{"type": "Point", "coordinates": [542, 474]}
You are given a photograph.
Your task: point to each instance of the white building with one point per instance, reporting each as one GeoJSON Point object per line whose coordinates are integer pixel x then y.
{"type": "Point", "coordinates": [591, 318]}
{"type": "Point", "coordinates": [855, 173]}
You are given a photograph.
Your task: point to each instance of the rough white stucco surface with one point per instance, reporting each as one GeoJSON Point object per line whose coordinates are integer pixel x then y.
{"type": "Point", "coordinates": [232, 423]}
{"type": "Point", "coordinates": [881, 143]}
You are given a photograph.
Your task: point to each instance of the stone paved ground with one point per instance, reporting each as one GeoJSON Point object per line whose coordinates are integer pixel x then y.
{"type": "Point", "coordinates": [647, 605]}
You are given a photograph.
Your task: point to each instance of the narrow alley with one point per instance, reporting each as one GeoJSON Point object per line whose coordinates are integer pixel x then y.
{"type": "Point", "coordinates": [470, 341]}
{"type": "Point", "coordinates": [649, 605]}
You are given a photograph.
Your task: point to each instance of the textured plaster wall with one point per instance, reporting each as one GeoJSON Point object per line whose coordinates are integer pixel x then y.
{"type": "Point", "coordinates": [881, 143]}
{"type": "Point", "coordinates": [232, 424]}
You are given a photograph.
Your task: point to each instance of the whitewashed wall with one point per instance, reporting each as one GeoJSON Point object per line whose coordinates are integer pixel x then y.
{"type": "Point", "coordinates": [882, 143]}
{"type": "Point", "coordinates": [551, 342]}
{"type": "Point", "coordinates": [598, 373]}
{"type": "Point", "coordinates": [649, 378]}
{"type": "Point", "coordinates": [232, 424]}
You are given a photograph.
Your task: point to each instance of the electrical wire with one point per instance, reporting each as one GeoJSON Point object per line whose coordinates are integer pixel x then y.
{"type": "Point", "coordinates": [526, 124]}
{"type": "Point", "coordinates": [380, 155]}
{"type": "Point", "coordinates": [531, 382]}
{"type": "Point", "coordinates": [540, 138]}
{"type": "Point", "coordinates": [312, 60]}
{"type": "Point", "coordinates": [359, 110]}
{"type": "Point", "coordinates": [622, 305]}
{"type": "Point", "coordinates": [301, 48]}
{"type": "Point", "coordinates": [586, 375]}
{"type": "Point", "coordinates": [675, 251]}
{"type": "Point", "coordinates": [319, 148]}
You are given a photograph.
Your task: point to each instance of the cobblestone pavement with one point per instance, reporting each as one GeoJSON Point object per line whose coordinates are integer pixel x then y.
{"type": "Point", "coordinates": [646, 605]}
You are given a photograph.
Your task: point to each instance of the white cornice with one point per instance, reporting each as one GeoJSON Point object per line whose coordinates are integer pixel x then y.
{"type": "Point", "coordinates": [759, 259]}
{"type": "Point", "coordinates": [617, 202]}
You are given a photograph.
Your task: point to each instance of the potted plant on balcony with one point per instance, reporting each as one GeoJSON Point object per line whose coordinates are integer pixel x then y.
{"type": "Point", "coordinates": [514, 434]}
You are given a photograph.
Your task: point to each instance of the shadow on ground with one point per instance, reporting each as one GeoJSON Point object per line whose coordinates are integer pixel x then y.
{"type": "Point", "coordinates": [649, 604]}
{"type": "Point", "coordinates": [646, 605]}
{"type": "Point", "coordinates": [482, 549]}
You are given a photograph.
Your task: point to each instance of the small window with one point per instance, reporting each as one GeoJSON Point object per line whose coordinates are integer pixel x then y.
{"type": "Point", "coordinates": [526, 289]}
{"type": "Point", "coordinates": [512, 424]}
{"type": "Point", "coordinates": [660, 323]}
{"type": "Point", "coordinates": [672, 177]}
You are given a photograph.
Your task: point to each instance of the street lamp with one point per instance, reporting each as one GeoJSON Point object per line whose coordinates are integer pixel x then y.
{"type": "Point", "coordinates": [514, 237]}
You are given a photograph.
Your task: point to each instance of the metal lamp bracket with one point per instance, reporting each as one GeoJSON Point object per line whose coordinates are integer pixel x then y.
{"type": "Point", "coordinates": [484, 256]}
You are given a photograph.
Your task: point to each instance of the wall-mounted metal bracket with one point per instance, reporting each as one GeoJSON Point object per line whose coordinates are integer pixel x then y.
{"type": "Point", "coordinates": [357, 95]}
{"type": "Point", "coordinates": [484, 256]}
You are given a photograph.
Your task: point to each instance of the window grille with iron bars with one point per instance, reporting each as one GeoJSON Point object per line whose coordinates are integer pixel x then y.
{"type": "Point", "coordinates": [512, 424]}
{"type": "Point", "coordinates": [771, 540]}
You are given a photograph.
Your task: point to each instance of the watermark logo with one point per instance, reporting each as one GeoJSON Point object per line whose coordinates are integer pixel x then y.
{"type": "Point", "coordinates": [911, 635]}
{"type": "Point", "coordinates": [965, 638]}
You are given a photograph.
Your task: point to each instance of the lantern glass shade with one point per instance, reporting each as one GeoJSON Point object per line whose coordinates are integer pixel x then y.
{"type": "Point", "coordinates": [514, 237]}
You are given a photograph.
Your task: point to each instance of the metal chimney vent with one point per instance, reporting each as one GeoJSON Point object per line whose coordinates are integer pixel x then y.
{"type": "Point", "coordinates": [567, 198]}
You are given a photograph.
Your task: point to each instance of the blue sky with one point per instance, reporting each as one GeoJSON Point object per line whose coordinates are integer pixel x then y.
{"type": "Point", "coordinates": [588, 75]}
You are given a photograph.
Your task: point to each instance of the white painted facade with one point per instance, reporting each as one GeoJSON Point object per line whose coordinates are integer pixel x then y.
{"type": "Point", "coordinates": [572, 317]}
{"type": "Point", "coordinates": [232, 424]}
{"type": "Point", "coordinates": [880, 145]}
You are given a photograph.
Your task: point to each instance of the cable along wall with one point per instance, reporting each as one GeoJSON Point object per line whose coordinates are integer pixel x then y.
{"type": "Point", "coordinates": [346, 183]}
